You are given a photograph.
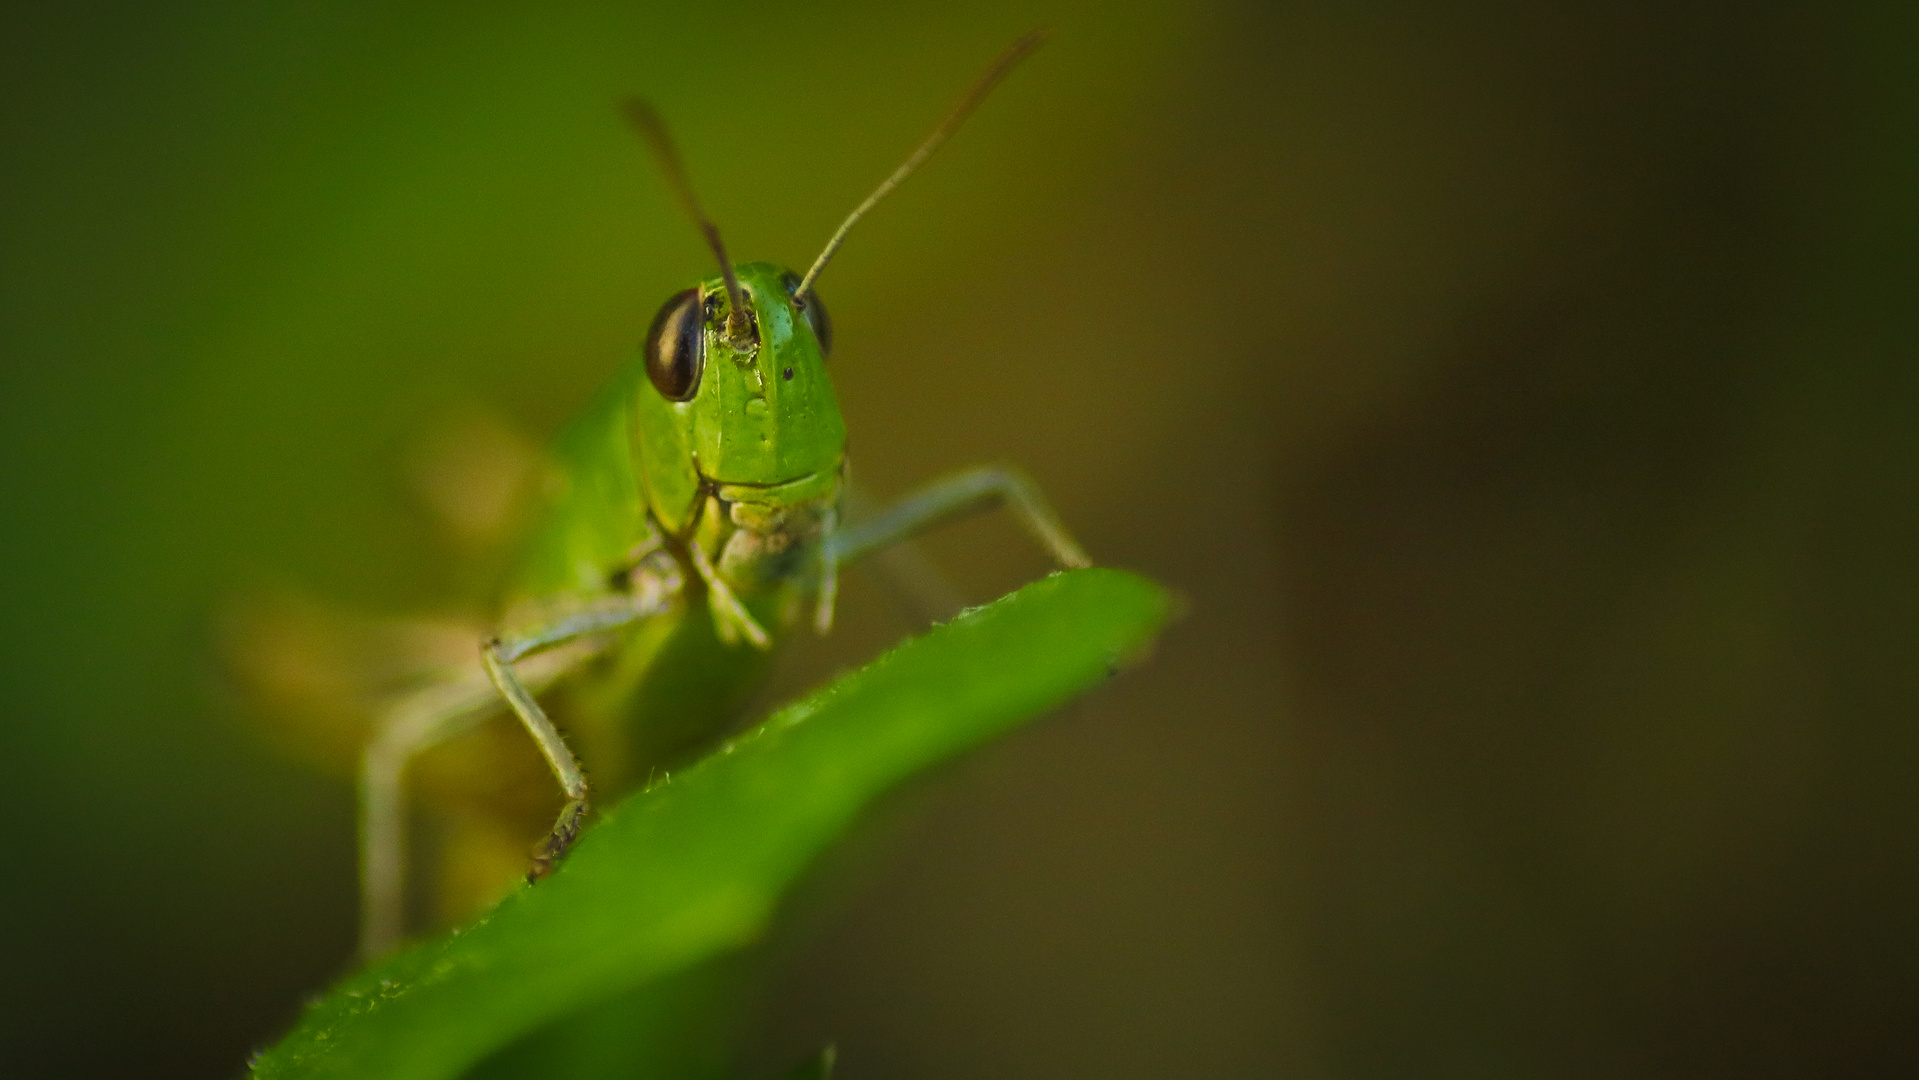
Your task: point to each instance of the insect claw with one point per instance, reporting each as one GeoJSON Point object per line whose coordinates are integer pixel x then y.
{"type": "Point", "coordinates": [558, 841]}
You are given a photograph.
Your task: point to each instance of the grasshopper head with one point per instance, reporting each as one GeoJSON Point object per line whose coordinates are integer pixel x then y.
{"type": "Point", "coordinates": [737, 362]}
{"type": "Point", "coordinates": [748, 400]}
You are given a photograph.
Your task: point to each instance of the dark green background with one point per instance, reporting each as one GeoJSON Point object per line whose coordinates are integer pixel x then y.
{"type": "Point", "coordinates": [1524, 401]}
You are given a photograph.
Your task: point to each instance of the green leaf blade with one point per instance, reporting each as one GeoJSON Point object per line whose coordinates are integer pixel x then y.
{"type": "Point", "coordinates": [694, 866]}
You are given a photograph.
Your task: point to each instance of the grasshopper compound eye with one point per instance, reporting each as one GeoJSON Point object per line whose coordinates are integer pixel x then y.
{"type": "Point", "coordinates": [676, 347]}
{"type": "Point", "coordinates": [813, 312]}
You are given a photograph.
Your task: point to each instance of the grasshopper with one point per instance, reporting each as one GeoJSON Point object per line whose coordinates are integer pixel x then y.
{"type": "Point", "coordinates": [694, 521]}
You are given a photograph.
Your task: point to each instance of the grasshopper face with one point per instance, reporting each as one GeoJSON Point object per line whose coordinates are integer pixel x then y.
{"type": "Point", "coordinates": [752, 418]}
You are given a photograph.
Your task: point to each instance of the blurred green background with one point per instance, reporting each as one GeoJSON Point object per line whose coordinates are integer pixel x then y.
{"type": "Point", "coordinates": [1523, 398]}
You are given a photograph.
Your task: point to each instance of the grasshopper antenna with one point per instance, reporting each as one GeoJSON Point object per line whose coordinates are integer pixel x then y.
{"type": "Point", "coordinates": [982, 86]}
{"type": "Point", "coordinates": [648, 123]}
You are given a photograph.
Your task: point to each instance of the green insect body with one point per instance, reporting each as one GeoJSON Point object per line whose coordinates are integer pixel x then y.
{"type": "Point", "coordinates": [692, 522]}
{"type": "Point", "coordinates": [743, 476]}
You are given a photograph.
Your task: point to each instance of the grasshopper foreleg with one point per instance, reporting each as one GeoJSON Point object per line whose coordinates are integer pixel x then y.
{"type": "Point", "coordinates": [963, 493]}
{"type": "Point", "coordinates": [730, 617]}
{"type": "Point", "coordinates": [829, 589]}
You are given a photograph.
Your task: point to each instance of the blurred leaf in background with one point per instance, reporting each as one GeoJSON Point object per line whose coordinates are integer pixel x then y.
{"type": "Point", "coordinates": [1522, 395]}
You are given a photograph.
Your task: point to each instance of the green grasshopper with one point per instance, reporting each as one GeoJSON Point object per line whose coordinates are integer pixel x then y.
{"type": "Point", "coordinates": [694, 521]}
